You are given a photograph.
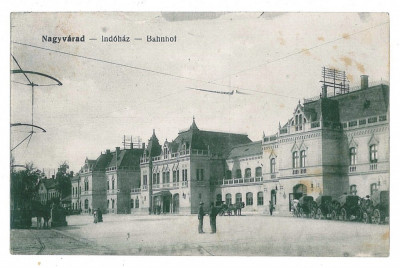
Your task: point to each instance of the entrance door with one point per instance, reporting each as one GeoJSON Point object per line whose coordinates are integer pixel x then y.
{"type": "Point", "coordinates": [273, 197]}
{"type": "Point", "coordinates": [166, 203]}
{"type": "Point", "coordinates": [175, 203]}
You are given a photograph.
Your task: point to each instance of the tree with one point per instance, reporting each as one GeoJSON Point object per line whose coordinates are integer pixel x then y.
{"type": "Point", "coordinates": [63, 179]}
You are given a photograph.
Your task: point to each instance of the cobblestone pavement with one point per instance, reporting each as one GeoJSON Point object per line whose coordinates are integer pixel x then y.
{"type": "Point", "coordinates": [177, 235]}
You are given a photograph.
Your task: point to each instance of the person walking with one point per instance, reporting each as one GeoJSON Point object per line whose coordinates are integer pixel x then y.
{"type": "Point", "coordinates": [213, 218]}
{"type": "Point", "coordinates": [200, 216]}
{"type": "Point", "coordinates": [271, 208]}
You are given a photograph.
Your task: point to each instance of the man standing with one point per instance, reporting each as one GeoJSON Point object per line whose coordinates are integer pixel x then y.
{"type": "Point", "coordinates": [271, 207]}
{"type": "Point", "coordinates": [213, 218]}
{"type": "Point", "coordinates": [200, 216]}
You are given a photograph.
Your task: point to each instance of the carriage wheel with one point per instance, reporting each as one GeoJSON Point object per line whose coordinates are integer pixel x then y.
{"type": "Point", "coordinates": [334, 215]}
{"type": "Point", "coordinates": [319, 214]}
{"type": "Point", "coordinates": [312, 214]}
{"type": "Point", "coordinates": [365, 217]}
{"type": "Point", "coordinates": [301, 213]}
{"type": "Point", "coordinates": [376, 218]}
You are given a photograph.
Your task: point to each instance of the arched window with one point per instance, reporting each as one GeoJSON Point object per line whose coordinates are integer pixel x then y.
{"type": "Point", "coordinates": [165, 152]}
{"type": "Point", "coordinates": [273, 167]}
{"type": "Point", "coordinates": [247, 173]}
{"type": "Point", "coordinates": [374, 187]}
{"type": "Point", "coordinates": [249, 199]}
{"type": "Point", "coordinates": [219, 198]}
{"type": "Point", "coordinates": [137, 202]}
{"type": "Point", "coordinates": [258, 172]}
{"type": "Point", "coordinates": [373, 153]}
{"type": "Point", "coordinates": [353, 154]}
{"type": "Point", "coordinates": [295, 159]}
{"type": "Point", "coordinates": [238, 198]}
{"type": "Point", "coordinates": [353, 189]}
{"type": "Point", "coordinates": [238, 173]}
{"type": "Point", "coordinates": [302, 158]}
{"type": "Point", "coordinates": [112, 203]}
{"type": "Point", "coordinates": [228, 174]}
{"type": "Point", "coordinates": [131, 203]}
{"type": "Point", "coordinates": [86, 204]}
{"type": "Point", "coordinates": [228, 199]}
{"type": "Point", "coordinates": [260, 198]}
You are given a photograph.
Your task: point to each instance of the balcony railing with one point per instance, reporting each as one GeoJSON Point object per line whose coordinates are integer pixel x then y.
{"type": "Point", "coordinates": [242, 180]}
{"type": "Point", "coordinates": [136, 190]}
{"type": "Point", "coordinates": [144, 160]}
{"type": "Point", "coordinates": [184, 184]}
{"type": "Point", "coordinates": [370, 167]}
{"type": "Point", "coordinates": [144, 187]}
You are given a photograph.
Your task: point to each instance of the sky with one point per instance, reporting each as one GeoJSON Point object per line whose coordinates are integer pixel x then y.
{"type": "Point", "coordinates": [275, 58]}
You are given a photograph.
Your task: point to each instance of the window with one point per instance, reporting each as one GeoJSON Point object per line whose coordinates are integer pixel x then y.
{"type": "Point", "coordinates": [184, 175]}
{"type": "Point", "coordinates": [144, 179]}
{"type": "Point", "coordinates": [228, 174]}
{"type": "Point", "coordinates": [177, 176]}
{"type": "Point", "coordinates": [86, 204]}
{"type": "Point", "coordinates": [108, 203]}
{"type": "Point", "coordinates": [238, 198]}
{"type": "Point", "coordinates": [158, 178]}
{"type": "Point", "coordinates": [200, 174]}
{"type": "Point", "coordinates": [295, 158]}
{"type": "Point", "coordinates": [238, 173]}
{"type": "Point", "coordinates": [373, 153]}
{"type": "Point", "coordinates": [249, 199]}
{"type": "Point", "coordinates": [353, 154]}
{"type": "Point", "coordinates": [73, 191]}
{"type": "Point", "coordinates": [353, 189]}
{"type": "Point", "coordinates": [137, 202]}
{"type": "Point", "coordinates": [273, 167]}
{"type": "Point", "coordinates": [174, 176]}
{"type": "Point", "coordinates": [228, 199]}
{"type": "Point", "coordinates": [108, 185]}
{"type": "Point", "coordinates": [164, 180]}
{"type": "Point", "coordinates": [260, 198]}
{"type": "Point", "coordinates": [219, 199]}
{"type": "Point", "coordinates": [165, 152]}
{"type": "Point", "coordinates": [112, 183]}
{"type": "Point", "coordinates": [303, 158]}
{"type": "Point", "coordinates": [247, 173]}
{"type": "Point", "coordinates": [374, 187]}
{"type": "Point", "coordinates": [131, 203]}
{"type": "Point", "coordinates": [258, 172]}
{"type": "Point", "coordinates": [167, 175]}
{"type": "Point", "coordinates": [112, 203]}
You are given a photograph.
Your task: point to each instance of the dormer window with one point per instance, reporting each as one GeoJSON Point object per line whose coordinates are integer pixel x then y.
{"type": "Point", "coordinates": [165, 152]}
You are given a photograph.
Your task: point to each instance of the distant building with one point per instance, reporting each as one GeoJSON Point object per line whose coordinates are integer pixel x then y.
{"type": "Point", "coordinates": [47, 191]}
{"type": "Point", "coordinates": [106, 182]}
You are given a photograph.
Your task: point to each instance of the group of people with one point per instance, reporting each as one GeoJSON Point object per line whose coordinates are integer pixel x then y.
{"type": "Point", "coordinates": [212, 213]}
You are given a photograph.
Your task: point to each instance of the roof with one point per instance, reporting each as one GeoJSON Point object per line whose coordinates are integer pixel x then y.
{"type": "Point", "coordinates": [362, 103]}
{"type": "Point", "coordinates": [219, 143]}
{"type": "Point", "coordinates": [49, 183]}
{"type": "Point", "coordinates": [153, 146]}
{"type": "Point", "coordinates": [126, 158]}
{"type": "Point", "coordinates": [102, 161]}
{"type": "Point", "coordinates": [75, 177]}
{"type": "Point", "coordinates": [249, 149]}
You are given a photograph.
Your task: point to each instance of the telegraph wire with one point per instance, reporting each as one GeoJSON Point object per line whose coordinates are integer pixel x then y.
{"type": "Point", "coordinates": [301, 51]}
{"type": "Point", "coordinates": [149, 70]}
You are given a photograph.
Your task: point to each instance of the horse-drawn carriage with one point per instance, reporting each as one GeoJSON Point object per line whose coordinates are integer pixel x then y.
{"type": "Point", "coordinates": [346, 207]}
{"type": "Point", "coordinates": [306, 207]}
{"type": "Point", "coordinates": [228, 209]}
{"type": "Point", "coordinates": [323, 207]}
{"type": "Point", "coordinates": [376, 209]}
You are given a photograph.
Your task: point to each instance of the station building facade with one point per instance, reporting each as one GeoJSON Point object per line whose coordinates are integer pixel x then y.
{"type": "Point", "coordinates": [333, 144]}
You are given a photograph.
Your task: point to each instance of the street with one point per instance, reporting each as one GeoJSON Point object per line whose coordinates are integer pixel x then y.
{"type": "Point", "coordinates": [251, 235]}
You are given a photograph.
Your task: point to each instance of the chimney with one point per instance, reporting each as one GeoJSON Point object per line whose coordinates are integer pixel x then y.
{"type": "Point", "coordinates": [107, 151]}
{"type": "Point", "coordinates": [324, 91]}
{"type": "Point", "coordinates": [143, 145]}
{"type": "Point", "coordinates": [364, 81]}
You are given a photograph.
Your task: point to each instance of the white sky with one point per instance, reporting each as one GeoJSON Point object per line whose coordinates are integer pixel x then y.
{"type": "Point", "coordinates": [99, 103]}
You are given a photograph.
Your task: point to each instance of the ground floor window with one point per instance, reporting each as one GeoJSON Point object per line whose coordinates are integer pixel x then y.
{"type": "Point", "coordinates": [137, 202]}
{"type": "Point", "coordinates": [249, 199]}
{"type": "Point", "coordinates": [131, 203]}
{"type": "Point", "coordinates": [353, 189]}
{"type": "Point", "coordinates": [228, 199]}
{"type": "Point", "coordinates": [86, 204]}
{"type": "Point", "coordinates": [238, 198]}
{"type": "Point", "coordinates": [260, 198]}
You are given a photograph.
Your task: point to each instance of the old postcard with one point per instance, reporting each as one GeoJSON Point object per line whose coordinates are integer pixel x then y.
{"type": "Point", "coordinates": [217, 133]}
